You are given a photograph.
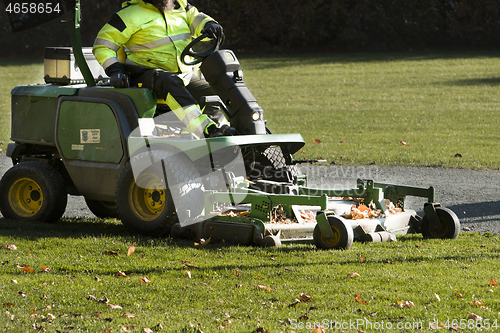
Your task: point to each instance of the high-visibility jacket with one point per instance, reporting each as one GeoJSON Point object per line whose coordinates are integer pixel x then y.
{"type": "Point", "coordinates": [151, 39]}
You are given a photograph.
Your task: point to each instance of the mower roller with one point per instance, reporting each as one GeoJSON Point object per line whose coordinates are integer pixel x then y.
{"type": "Point", "coordinates": [131, 158]}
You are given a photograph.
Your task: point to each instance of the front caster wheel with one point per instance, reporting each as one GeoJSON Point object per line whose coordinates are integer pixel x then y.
{"type": "Point", "coordinates": [343, 235]}
{"type": "Point", "coordinates": [450, 225]}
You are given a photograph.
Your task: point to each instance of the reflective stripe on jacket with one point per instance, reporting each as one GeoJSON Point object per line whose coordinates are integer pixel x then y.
{"type": "Point", "coordinates": [151, 39]}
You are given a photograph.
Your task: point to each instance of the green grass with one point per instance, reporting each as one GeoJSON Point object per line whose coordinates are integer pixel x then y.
{"type": "Point", "coordinates": [360, 106]}
{"type": "Point", "coordinates": [222, 290]}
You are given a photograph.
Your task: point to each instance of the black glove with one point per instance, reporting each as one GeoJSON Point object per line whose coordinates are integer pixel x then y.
{"type": "Point", "coordinates": [224, 130]}
{"type": "Point", "coordinates": [117, 77]}
{"type": "Point", "coordinates": [119, 80]}
{"type": "Point", "coordinates": [214, 29]}
{"type": "Point", "coordinates": [228, 131]}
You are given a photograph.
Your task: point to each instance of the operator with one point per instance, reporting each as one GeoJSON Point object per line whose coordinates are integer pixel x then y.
{"type": "Point", "coordinates": [154, 33]}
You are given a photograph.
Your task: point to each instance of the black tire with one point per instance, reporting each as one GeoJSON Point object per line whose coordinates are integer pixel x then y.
{"type": "Point", "coordinates": [102, 209]}
{"type": "Point", "coordinates": [149, 208]}
{"type": "Point", "coordinates": [450, 225]}
{"type": "Point", "coordinates": [33, 191]}
{"type": "Point", "coordinates": [269, 161]}
{"type": "Point", "coordinates": [342, 231]}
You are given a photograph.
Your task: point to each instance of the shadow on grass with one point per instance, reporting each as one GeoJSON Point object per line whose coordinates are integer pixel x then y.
{"type": "Point", "coordinates": [267, 61]}
{"type": "Point", "coordinates": [64, 228]}
{"type": "Point", "coordinates": [490, 81]}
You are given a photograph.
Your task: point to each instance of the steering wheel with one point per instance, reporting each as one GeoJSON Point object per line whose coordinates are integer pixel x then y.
{"type": "Point", "coordinates": [199, 49]}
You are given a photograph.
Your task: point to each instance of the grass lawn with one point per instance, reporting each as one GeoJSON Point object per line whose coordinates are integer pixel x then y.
{"type": "Point", "coordinates": [75, 275]}
{"type": "Point", "coordinates": [361, 107]}
{"type": "Point", "coordinates": [80, 279]}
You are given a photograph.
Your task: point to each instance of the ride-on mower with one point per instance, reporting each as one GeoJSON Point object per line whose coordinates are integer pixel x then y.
{"type": "Point", "coordinates": [131, 158]}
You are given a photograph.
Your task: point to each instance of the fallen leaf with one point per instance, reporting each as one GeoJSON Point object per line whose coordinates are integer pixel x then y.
{"type": "Point", "coordinates": [128, 328]}
{"type": "Point", "coordinates": [404, 143]}
{"type": "Point", "coordinates": [357, 299]}
{"type": "Point", "coordinates": [437, 296]}
{"type": "Point", "coordinates": [458, 294]}
{"type": "Point", "coordinates": [145, 280]}
{"type": "Point", "coordinates": [131, 249]}
{"type": "Point", "coordinates": [403, 304]}
{"type": "Point", "coordinates": [351, 275]}
{"type": "Point", "coordinates": [202, 243]}
{"type": "Point", "coordinates": [237, 272]}
{"type": "Point", "coordinates": [318, 330]}
{"type": "Point", "coordinates": [46, 269]}
{"type": "Point", "coordinates": [474, 316]}
{"type": "Point", "coordinates": [21, 293]}
{"type": "Point", "coordinates": [317, 141]}
{"type": "Point", "coordinates": [14, 281]}
{"type": "Point", "coordinates": [295, 302]}
{"type": "Point", "coordinates": [147, 330]}
{"type": "Point", "coordinates": [120, 273]}
{"type": "Point", "coordinates": [343, 141]}
{"type": "Point", "coordinates": [457, 155]}
{"type": "Point", "coordinates": [262, 287]}
{"type": "Point", "coordinates": [129, 315]}
{"type": "Point", "coordinates": [493, 283]}
{"type": "Point", "coordinates": [114, 306]}
{"type": "Point", "coordinates": [9, 247]}
{"type": "Point", "coordinates": [27, 269]}
{"type": "Point", "coordinates": [9, 304]}
{"type": "Point", "coordinates": [477, 303]}
{"type": "Point", "coordinates": [111, 253]}
{"type": "Point", "coordinates": [305, 297]}
{"type": "Point", "coordinates": [362, 260]}
{"type": "Point", "coordinates": [187, 274]}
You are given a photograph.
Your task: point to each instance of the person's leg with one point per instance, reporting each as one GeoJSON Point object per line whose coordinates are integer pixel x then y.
{"type": "Point", "coordinates": [171, 88]}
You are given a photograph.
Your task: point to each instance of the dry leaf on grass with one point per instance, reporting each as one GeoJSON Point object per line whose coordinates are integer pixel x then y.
{"type": "Point", "coordinates": [111, 253]}
{"type": "Point", "coordinates": [404, 143]}
{"type": "Point", "coordinates": [352, 275]}
{"type": "Point", "coordinates": [187, 274]}
{"type": "Point", "coordinates": [259, 286]}
{"type": "Point", "coordinates": [114, 306]}
{"type": "Point", "coordinates": [493, 283]}
{"type": "Point", "coordinates": [358, 300]}
{"type": "Point", "coordinates": [304, 297]}
{"type": "Point", "coordinates": [403, 304]}
{"type": "Point", "coordinates": [120, 273]}
{"type": "Point", "coordinates": [9, 247]}
{"type": "Point", "coordinates": [202, 243]}
{"type": "Point", "coordinates": [129, 315]}
{"type": "Point", "coordinates": [145, 280]}
{"type": "Point", "coordinates": [317, 141]}
{"type": "Point", "coordinates": [474, 316]}
{"type": "Point", "coordinates": [131, 249]}
{"type": "Point", "coordinates": [437, 296]}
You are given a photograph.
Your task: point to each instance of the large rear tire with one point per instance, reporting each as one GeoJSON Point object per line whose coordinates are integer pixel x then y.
{"type": "Point", "coordinates": [145, 202]}
{"type": "Point", "coordinates": [33, 191]}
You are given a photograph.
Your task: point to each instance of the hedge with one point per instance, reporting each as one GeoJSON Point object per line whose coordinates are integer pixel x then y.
{"type": "Point", "coordinates": [306, 25]}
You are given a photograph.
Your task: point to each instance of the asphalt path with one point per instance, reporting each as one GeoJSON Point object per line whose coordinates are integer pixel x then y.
{"type": "Point", "coordinates": [472, 195]}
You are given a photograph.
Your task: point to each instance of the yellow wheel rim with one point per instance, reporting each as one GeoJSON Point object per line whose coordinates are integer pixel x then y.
{"type": "Point", "coordinates": [148, 200]}
{"type": "Point", "coordinates": [25, 197]}
{"type": "Point", "coordinates": [332, 241]}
